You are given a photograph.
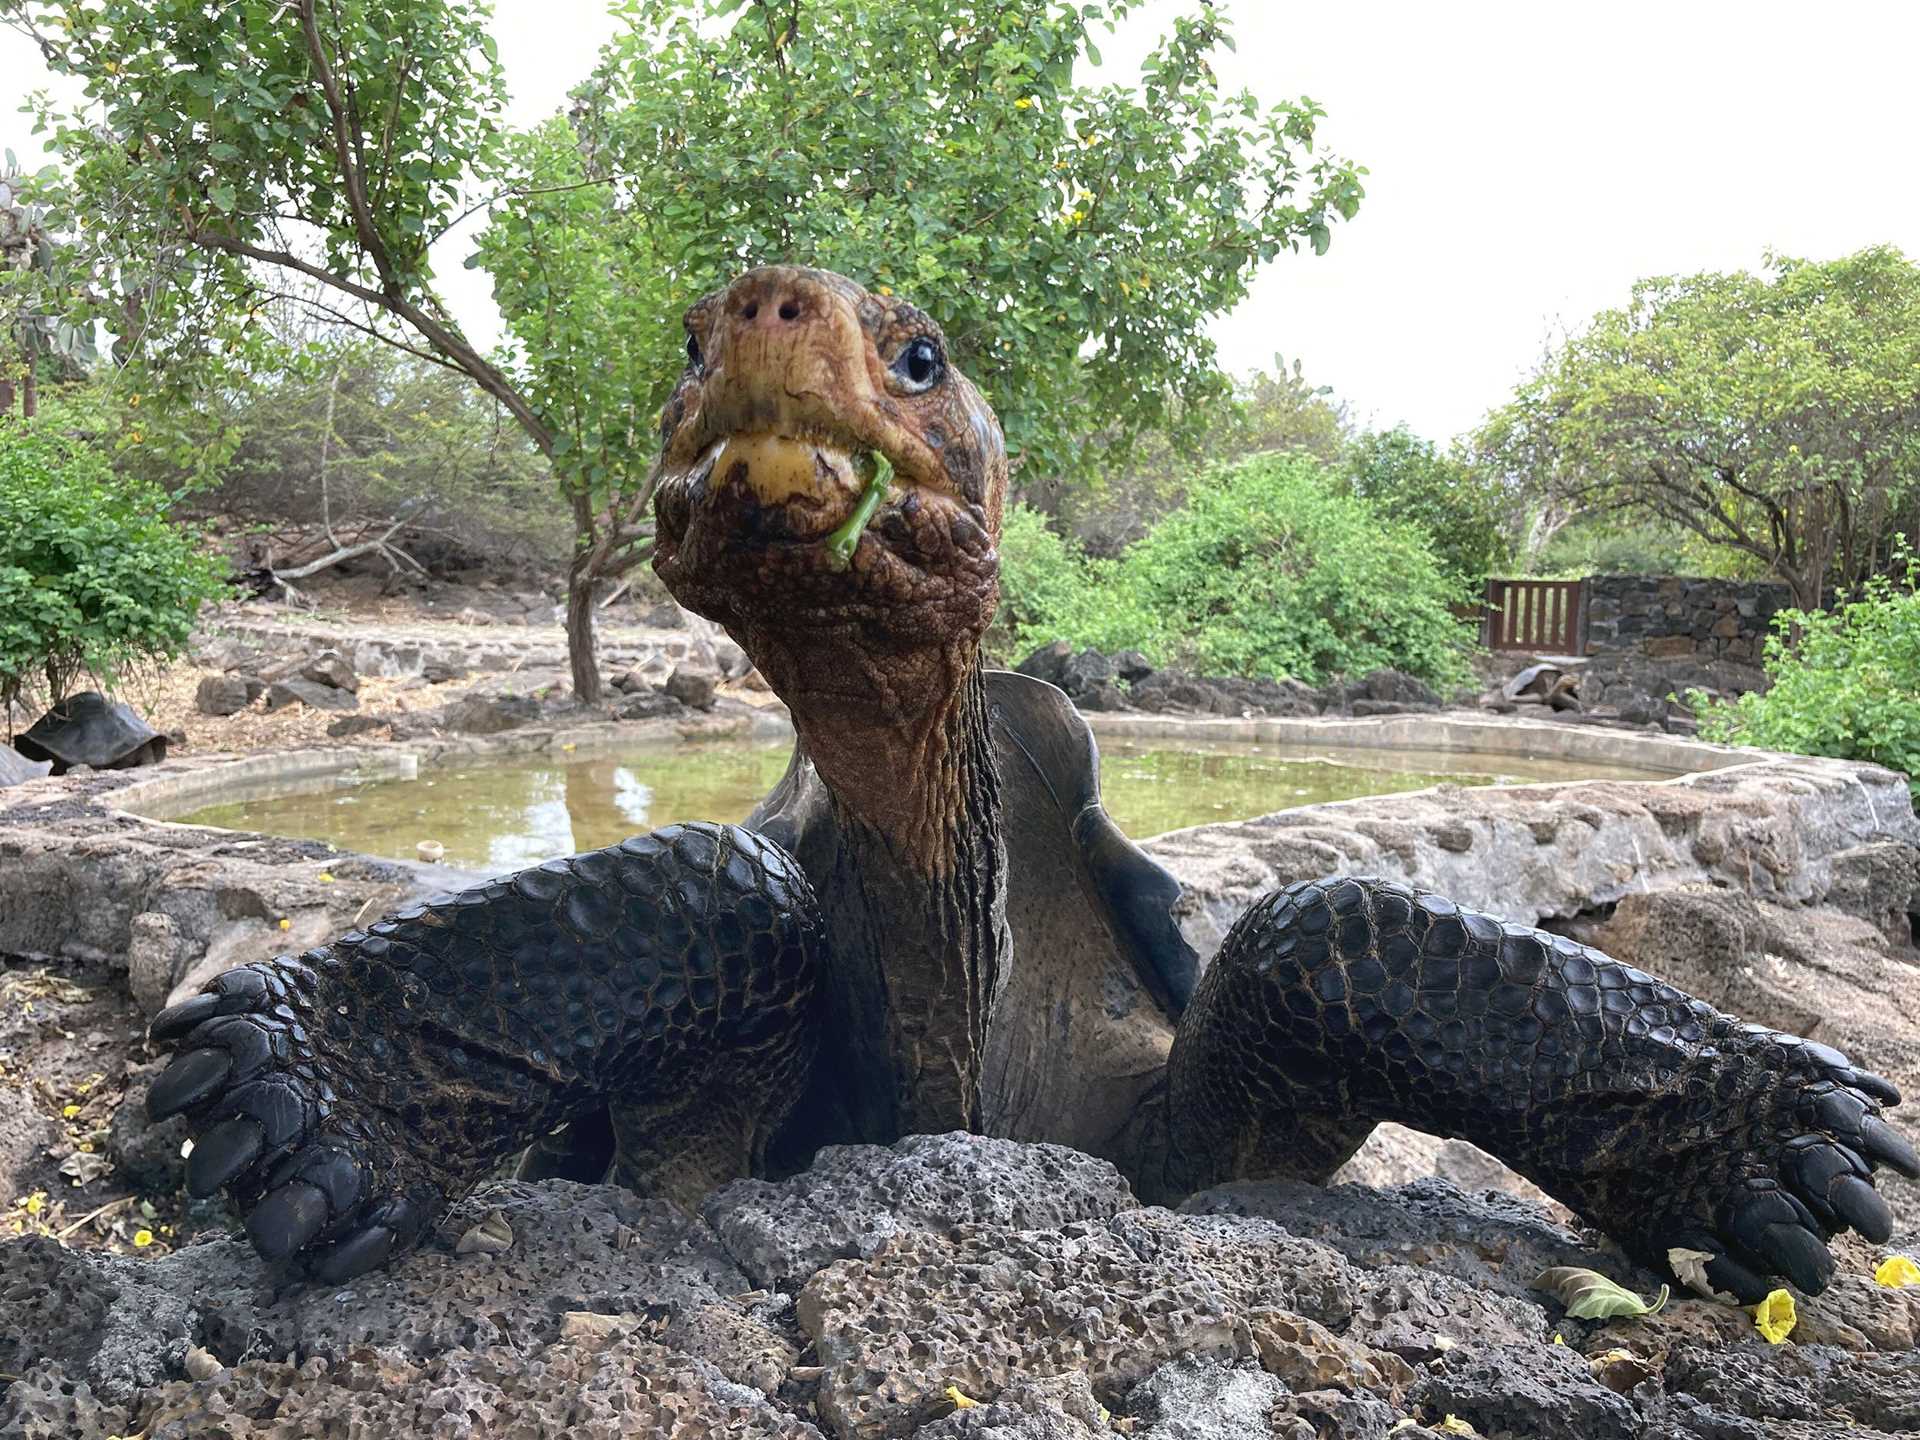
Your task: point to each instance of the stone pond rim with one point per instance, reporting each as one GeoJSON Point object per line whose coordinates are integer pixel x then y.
{"type": "Point", "coordinates": [973, 906]}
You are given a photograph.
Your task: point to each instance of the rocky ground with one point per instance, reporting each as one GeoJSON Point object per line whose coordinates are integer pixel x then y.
{"type": "Point", "coordinates": [946, 1287]}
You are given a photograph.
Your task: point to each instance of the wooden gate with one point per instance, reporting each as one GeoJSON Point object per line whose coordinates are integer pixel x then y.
{"type": "Point", "coordinates": [1542, 617]}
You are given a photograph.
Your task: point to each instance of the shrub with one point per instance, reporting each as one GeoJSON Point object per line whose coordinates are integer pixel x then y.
{"type": "Point", "coordinates": [1269, 569]}
{"type": "Point", "coordinates": [1846, 682]}
{"type": "Point", "coordinates": [94, 578]}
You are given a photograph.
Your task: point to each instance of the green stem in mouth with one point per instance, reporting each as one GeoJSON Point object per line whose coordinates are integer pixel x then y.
{"type": "Point", "coordinates": [841, 543]}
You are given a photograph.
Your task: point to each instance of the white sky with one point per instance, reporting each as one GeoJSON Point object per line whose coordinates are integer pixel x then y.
{"type": "Point", "coordinates": [1529, 161]}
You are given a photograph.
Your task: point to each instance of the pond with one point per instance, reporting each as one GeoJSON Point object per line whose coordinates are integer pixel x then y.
{"type": "Point", "coordinates": [518, 811]}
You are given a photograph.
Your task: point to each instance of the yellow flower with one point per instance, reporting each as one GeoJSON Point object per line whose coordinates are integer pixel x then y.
{"type": "Point", "coordinates": [36, 1202]}
{"type": "Point", "coordinates": [143, 1238]}
{"type": "Point", "coordinates": [883, 290]}
{"type": "Point", "coordinates": [325, 878]}
{"type": "Point", "coordinates": [1454, 1425]}
{"type": "Point", "coordinates": [135, 437]}
{"type": "Point", "coordinates": [961, 1402]}
{"type": "Point", "coordinates": [1896, 1271]}
{"type": "Point", "coordinates": [1023, 103]}
{"type": "Point", "coordinates": [286, 924]}
{"type": "Point", "coordinates": [1558, 1338]}
{"type": "Point", "coordinates": [134, 401]}
{"type": "Point", "coordinates": [69, 1111]}
{"type": "Point", "coordinates": [1775, 1317]}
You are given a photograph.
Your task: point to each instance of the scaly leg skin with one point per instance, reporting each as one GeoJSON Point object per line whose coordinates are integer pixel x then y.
{"type": "Point", "coordinates": [345, 1097]}
{"type": "Point", "coordinates": [1337, 1003]}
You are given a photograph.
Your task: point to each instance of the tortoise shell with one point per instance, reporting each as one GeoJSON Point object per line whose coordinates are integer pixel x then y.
{"type": "Point", "coordinates": [89, 729]}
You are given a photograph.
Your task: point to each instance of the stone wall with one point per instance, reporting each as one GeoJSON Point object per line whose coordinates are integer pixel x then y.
{"type": "Point", "coordinates": [1665, 617]}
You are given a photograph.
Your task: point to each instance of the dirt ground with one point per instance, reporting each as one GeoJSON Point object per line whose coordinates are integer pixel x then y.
{"type": "Point", "coordinates": [72, 1051]}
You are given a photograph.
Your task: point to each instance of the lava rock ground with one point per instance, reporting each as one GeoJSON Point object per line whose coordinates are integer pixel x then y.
{"type": "Point", "coordinates": [846, 1301]}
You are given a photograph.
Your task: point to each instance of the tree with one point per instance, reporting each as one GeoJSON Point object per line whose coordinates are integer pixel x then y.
{"type": "Point", "coordinates": [1466, 516]}
{"type": "Point", "coordinates": [31, 336]}
{"type": "Point", "coordinates": [94, 578]}
{"type": "Point", "coordinates": [1073, 239]}
{"type": "Point", "coordinates": [1776, 415]}
{"type": "Point", "coordinates": [352, 448]}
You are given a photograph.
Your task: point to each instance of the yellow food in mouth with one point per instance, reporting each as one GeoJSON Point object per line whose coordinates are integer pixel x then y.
{"type": "Point", "coordinates": [779, 468]}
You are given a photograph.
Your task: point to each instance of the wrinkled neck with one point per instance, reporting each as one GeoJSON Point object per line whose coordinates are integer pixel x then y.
{"type": "Point", "coordinates": [903, 744]}
{"type": "Point", "coordinates": [913, 889]}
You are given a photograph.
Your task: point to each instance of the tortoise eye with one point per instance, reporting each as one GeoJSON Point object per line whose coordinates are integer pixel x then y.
{"type": "Point", "coordinates": [920, 365]}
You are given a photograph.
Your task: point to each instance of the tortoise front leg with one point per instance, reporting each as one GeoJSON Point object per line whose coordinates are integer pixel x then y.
{"type": "Point", "coordinates": [346, 1096]}
{"type": "Point", "coordinates": [1337, 1003]}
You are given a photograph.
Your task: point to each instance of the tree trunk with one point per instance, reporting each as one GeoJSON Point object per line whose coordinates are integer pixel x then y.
{"type": "Point", "coordinates": [581, 656]}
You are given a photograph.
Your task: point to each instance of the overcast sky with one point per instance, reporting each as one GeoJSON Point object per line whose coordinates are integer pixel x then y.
{"type": "Point", "coordinates": [1529, 161]}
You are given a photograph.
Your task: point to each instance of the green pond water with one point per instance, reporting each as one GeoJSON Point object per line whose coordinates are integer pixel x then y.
{"type": "Point", "coordinates": [507, 814]}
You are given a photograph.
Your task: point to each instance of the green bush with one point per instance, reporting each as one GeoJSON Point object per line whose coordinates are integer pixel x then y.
{"type": "Point", "coordinates": [1269, 569]}
{"type": "Point", "coordinates": [1846, 682]}
{"type": "Point", "coordinates": [94, 578]}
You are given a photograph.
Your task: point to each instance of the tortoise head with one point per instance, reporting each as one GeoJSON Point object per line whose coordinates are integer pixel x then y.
{"type": "Point", "coordinates": [803, 395]}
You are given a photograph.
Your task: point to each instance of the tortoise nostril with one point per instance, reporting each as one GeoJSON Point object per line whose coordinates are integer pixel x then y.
{"type": "Point", "coordinates": [753, 309]}
{"type": "Point", "coordinates": [789, 310]}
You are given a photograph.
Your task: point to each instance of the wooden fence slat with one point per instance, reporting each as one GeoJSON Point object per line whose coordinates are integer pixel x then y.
{"type": "Point", "coordinates": [1540, 616]}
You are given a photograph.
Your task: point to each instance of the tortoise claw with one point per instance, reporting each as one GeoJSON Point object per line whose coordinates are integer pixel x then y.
{"type": "Point", "coordinates": [1881, 1143]}
{"type": "Point", "coordinates": [360, 1252]}
{"type": "Point", "coordinates": [222, 1153]}
{"type": "Point", "coordinates": [287, 1219]}
{"type": "Point", "coordinates": [189, 1080]}
{"type": "Point", "coordinates": [176, 1020]}
{"type": "Point", "coordinates": [1857, 1203]}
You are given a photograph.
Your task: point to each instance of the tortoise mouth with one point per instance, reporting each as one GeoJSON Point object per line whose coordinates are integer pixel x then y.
{"type": "Point", "coordinates": [762, 506]}
{"type": "Point", "coordinates": [805, 486]}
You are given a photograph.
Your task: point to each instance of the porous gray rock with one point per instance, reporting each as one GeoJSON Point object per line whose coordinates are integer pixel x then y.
{"type": "Point", "coordinates": [582, 1391]}
{"type": "Point", "coordinates": [1775, 829]}
{"type": "Point", "coordinates": [1194, 1399]}
{"type": "Point", "coordinates": [645, 704]}
{"type": "Point", "coordinates": [1113, 1299]}
{"type": "Point", "coordinates": [853, 1198]}
{"type": "Point", "coordinates": [226, 694]}
{"type": "Point", "coordinates": [1490, 1240]}
{"type": "Point", "coordinates": [349, 725]}
{"type": "Point", "coordinates": [125, 1325]}
{"type": "Point", "coordinates": [1542, 1392]}
{"type": "Point", "coordinates": [693, 686]}
{"type": "Point", "coordinates": [295, 691]}
{"type": "Point", "coordinates": [1877, 1391]}
{"type": "Point", "coordinates": [1054, 1407]}
{"type": "Point", "coordinates": [332, 668]}
{"type": "Point", "coordinates": [156, 955]}
{"type": "Point", "coordinates": [489, 714]}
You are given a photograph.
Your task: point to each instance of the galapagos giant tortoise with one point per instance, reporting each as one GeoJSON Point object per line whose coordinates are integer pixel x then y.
{"type": "Point", "coordinates": [88, 729]}
{"type": "Point", "coordinates": [931, 923]}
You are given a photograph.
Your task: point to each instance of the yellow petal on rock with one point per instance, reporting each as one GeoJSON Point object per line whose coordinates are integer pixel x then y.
{"type": "Point", "coordinates": [142, 1238]}
{"type": "Point", "coordinates": [1896, 1271]}
{"type": "Point", "coordinates": [1775, 1317]}
{"type": "Point", "coordinates": [960, 1402]}
{"type": "Point", "coordinates": [1454, 1425]}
